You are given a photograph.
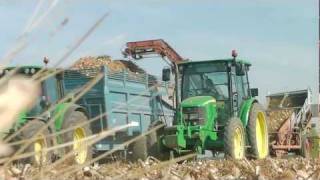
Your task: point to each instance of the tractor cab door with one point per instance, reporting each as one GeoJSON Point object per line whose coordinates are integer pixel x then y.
{"type": "Point", "coordinates": [234, 95]}
{"type": "Point", "coordinates": [240, 88]}
{"type": "Point", "coordinates": [51, 91]}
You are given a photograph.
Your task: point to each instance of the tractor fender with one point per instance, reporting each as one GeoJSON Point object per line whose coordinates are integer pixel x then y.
{"type": "Point", "coordinates": [63, 110]}
{"type": "Point", "coordinates": [245, 110]}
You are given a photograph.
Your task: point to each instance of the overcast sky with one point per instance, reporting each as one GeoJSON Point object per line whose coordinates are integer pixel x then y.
{"type": "Point", "coordinates": [278, 37]}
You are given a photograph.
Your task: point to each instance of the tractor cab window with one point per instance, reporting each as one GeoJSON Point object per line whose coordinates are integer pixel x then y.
{"type": "Point", "coordinates": [242, 87]}
{"type": "Point", "coordinates": [205, 79]}
{"type": "Point", "coordinates": [48, 93]}
{"type": "Point", "coordinates": [27, 73]}
{"type": "Point", "coordinates": [50, 89]}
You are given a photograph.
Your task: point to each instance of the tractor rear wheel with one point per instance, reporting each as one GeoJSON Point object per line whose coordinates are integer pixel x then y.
{"type": "Point", "coordinates": [234, 139]}
{"type": "Point", "coordinates": [42, 142]}
{"type": "Point", "coordinates": [82, 151]}
{"type": "Point", "coordinates": [257, 130]}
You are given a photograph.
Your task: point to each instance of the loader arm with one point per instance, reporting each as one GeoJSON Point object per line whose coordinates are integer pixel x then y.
{"type": "Point", "coordinates": [137, 50]}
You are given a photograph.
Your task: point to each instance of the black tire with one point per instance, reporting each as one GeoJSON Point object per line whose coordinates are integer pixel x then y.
{"type": "Point", "coordinates": [258, 148]}
{"type": "Point", "coordinates": [150, 145]}
{"type": "Point", "coordinates": [155, 148]}
{"type": "Point", "coordinates": [32, 127]}
{"type": "Point", "coordinates": [234, 129]}
{"type": "Point", "coordinates": [140, 149]}
{"type": "Point", "coordinates": [72, 120]}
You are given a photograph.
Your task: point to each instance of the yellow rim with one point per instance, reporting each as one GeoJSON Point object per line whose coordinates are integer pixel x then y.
{"type": "Point", "coordinates": [238, 144]}
{"type": "Point", "coordinates": [262, 136]}
{"type": "Point", "coordinates": [38, 146]}
{"type": "Point", "coordinates": [79, 146]}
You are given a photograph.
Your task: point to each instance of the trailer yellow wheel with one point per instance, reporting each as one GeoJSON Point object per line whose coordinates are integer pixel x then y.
{"type": "Point", "coordinates": [39, 145]}
{"type": "Point", "coordinates": [234, 139]}
{"type": "Point", "coordinates": [238, 143]}
{"type": "Point", "coordinates": [79, 145]}
{"type": "Point", "coordinates": [261, 134]}
{"type": "Point", "coordinates": [258, 132]}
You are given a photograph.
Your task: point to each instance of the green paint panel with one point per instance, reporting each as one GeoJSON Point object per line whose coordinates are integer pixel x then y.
{"type": "Point", "coordinates": [198, 135]}
{"type": "Point", "coordinates": [197, 101]}
{"type": "Point", "coordinates": [245, 110]}
{"type": "Point", "coordinates": [59, 112]}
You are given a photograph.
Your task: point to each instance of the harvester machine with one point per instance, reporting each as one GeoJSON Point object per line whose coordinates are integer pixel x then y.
{"type": "Point", "coordinates": [292, 124]}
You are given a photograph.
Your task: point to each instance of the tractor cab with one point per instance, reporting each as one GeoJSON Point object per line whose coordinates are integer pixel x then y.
{"type": "Point", "coordinates": [222, 81]}
{"type": "Point", "coordinates": [51, 89]}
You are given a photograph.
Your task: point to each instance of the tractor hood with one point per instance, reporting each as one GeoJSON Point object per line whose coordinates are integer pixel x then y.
{"type": "Point", "coordinates": [197, 101]}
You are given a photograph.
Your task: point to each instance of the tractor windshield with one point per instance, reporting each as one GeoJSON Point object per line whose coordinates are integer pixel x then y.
{"type": "Point", "coordinates": [27, 72]}
{"type": "Point", "coordinates": [205, 79]}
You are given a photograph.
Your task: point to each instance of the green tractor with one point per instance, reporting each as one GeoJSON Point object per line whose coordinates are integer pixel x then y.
{"type": "Point", "coordinates": [66, 115]}
{"type": "Point", "coordinates": [216, 110]}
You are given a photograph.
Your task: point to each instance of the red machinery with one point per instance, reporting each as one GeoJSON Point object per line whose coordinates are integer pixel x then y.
{"type": "Point", "coordinates": [157, 46]}
{"type": "Point", "coordinates": [138, 49]}
{"type": "Point", "coordinates": [290, 115]}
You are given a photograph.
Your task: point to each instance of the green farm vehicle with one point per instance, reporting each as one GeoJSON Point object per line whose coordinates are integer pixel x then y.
{"type": "Point", "coordinates": [218, 111]}
{"type": "Point", "coordinates": [65, 115]}
{"type": "Point", "coordinates": [215, 107]}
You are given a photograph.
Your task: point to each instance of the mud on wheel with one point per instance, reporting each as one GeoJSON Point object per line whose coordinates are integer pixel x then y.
{"type": "Point", "coordinates": [40, 143]}
{"type": "Point", "coordinates": [82, 151]}
{"type": "Point", "coordinates": [234, 139]}
{"type": "Point", "coordinates": [149, 145]}
{"type": "Point", "coordinates": [257, 130]}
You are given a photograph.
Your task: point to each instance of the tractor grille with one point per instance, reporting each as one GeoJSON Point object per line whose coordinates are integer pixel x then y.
{"type": "Point", "coordinates": [194, 115]}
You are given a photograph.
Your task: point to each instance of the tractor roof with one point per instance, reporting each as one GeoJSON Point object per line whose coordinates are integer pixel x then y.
{"type": "Point", "coordinates": [27, 66]}
{"type": "Point", "coordinates": [218, 60]}
{"type": "Point", "coordinates": [30, 67]}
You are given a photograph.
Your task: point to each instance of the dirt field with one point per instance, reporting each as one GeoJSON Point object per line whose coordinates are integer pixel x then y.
{"type": "Point", "coordinates": [282, 169]}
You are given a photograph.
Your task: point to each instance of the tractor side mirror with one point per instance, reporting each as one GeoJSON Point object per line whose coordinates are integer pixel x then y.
{"type": "Point", "coordinates": [44, 103]}
{"type": "Point", "coordinates": [254, 92]}
{"type": "Point", "coordinates": [240, 69]}
{"type": "Point", "coordinates": [166, 73]}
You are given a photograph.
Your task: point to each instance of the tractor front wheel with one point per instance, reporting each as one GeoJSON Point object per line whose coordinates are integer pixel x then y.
{"type": "Point", "coordinates": [257, 130]}
{"type": "Point", "coordinates": [234, 139]}
{"type": "Point", "coordinates": [40, 143]}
